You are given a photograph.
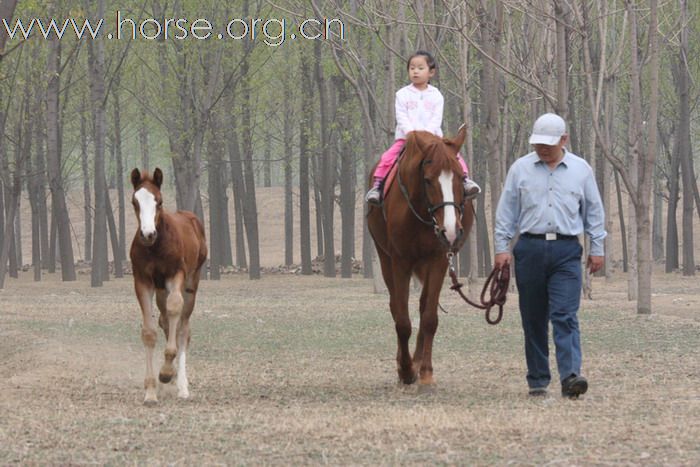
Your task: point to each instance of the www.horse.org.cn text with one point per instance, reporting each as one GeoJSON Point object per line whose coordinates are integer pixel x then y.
{"type": "Point", "coordinates": [271, 31]}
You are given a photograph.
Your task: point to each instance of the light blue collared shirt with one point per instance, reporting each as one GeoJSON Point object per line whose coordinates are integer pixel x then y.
{"type": "Point", "coordinates": [538, 200]}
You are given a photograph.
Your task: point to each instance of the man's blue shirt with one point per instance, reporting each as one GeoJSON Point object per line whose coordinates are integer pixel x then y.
{"type": "Point", "coordinates": [538, 200]}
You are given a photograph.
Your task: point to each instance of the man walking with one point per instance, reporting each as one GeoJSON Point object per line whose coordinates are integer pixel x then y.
{"type": "Point", "coordinates": [549, 198]}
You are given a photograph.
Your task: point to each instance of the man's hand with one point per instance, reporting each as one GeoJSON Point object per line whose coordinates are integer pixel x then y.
{"type": "Point", "coordinates": [595, 263]}
{"type": "Point", "coordinates": [502, 260]}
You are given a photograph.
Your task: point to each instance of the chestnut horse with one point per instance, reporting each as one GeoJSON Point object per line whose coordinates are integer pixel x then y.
{"type": "Point", "coordinates": [423, 218]}
{"type": "Point", "coordinates": [167, 254]}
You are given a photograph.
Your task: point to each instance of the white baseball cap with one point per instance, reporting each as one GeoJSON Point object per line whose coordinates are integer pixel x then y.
{"type": "Point", "coordinates": [548, 129]}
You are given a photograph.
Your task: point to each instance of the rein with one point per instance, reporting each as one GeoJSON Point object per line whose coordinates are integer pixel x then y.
{"type": "Point", "coordinates": [496, 284]}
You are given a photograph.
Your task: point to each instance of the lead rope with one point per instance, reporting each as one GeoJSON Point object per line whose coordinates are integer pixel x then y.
{"type": "Point", "coordinates": [497, 284]}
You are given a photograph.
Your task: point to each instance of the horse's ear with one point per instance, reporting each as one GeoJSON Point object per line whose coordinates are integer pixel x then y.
{"type": "Point", "coordinates": [135, 177]}
{"type": "Point", "coordinates": [458, 140]}
{"type": "Point", "coordinates": [158, 177]}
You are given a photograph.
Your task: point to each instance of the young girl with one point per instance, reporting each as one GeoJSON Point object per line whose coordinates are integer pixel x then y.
{"type": "Point", "coordinates": [418, 107]}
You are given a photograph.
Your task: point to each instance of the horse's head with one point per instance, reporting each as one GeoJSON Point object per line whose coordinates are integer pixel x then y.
{"type": "Point", "coordinates": [148, 203]}
{"type": "Point", "coordinates": [442, 186]}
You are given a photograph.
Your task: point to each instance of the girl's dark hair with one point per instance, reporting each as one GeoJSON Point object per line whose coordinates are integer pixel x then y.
{"type": "Point", "coordinates": [429, 59]}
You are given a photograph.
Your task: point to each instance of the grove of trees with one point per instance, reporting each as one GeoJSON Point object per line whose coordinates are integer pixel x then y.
{"type": "Point", "coordinates": [227, 116]}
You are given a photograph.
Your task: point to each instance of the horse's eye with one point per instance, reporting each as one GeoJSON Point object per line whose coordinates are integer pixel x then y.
{"type": "Point", "coordinates": [160, 204]}
{"type": "Point", "coordinates": [426, 181]}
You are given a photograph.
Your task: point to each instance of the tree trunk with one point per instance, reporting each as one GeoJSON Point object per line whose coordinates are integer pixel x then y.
{"type": "Point", "coordinates": [267, 165]}
{"type": "Point", "coordinates": [87, 207]}
{"type": "Point", "coordinates": [684, 153]}
{"type": "Point", "coordinates": [634, 155]}
{"type": "Point", "coordinates": [44, 226]}
{"type": "Point", "coordinates": [8, 233]}
{"type": "Point", "coordinates": [305, 128]}
{"type": "Point", "coordinates": [468, 255]}
{"type": "Point", "coordinates": [348, 181]}
{"type": "Point", "coordinates": [317, 181]}
{"type": "Point", "coordinates": [238, 191]}
{"type": "Point", "coordinates": [561, 11]}
{"type": "Point", "coordinates": [143, 129]}
{"type": "Point", "coordinates": [288, 194]}
{"type": "Point", "coordinates": [216, 193]}
{"type": "Point", "coordinates": [119, 169]}
{"type": "Point", "coordinates": [59, 210]}
{"type": "Point", "coordinates": [646, 167]}
{"type": "Point", "coordinates": [53, 241]}
{"type": "Point", "coordinates": [97, 88]}
{"type": "Point", "coordinates": [491, 24]}
{"type": "Point", "coordinates": [32, 188]}
{"type": "Point", "coordinates": [114, 238]}
{"type": "Point", "coordinates": [657, 236]}
{"type": "Point", "coordinates": [7, 8]}
{"type": "Point", "coordinates": [250, 209]}
{"type": "Point", "coordinates": [327, 166]}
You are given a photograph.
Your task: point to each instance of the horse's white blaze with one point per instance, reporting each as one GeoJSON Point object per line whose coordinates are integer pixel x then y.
{"type": "Point", "coordinates": [450, 214]}
{"type": "Point", "coordinates": [147, 211]}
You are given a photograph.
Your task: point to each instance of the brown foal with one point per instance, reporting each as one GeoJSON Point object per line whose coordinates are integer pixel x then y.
{"type": "Point", "coordinates": [167, 254]}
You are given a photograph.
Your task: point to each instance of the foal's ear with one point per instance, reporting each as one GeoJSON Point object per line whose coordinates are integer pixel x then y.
{"type": "Point", "coordinates": [158, 177]}
{"type": "Point", "coordinates": [135, 177]}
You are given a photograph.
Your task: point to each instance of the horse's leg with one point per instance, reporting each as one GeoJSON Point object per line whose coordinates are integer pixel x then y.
{"type": "Point", "coordinates": [402, 321]}
{"type": "Point", "coordinates": [429, 317]}
{"type": "Point", "coordinates": [387, 273]}
{"type": "Point", "coordinates": [161, 302]}
{"type": "Point", "coordinates": [418, 353]}
{"type": "Point", "coordinates": [161, 299]}
{"type": "Point", "coordinates": [149, 335]}
{"type": "Point", "coordinates": [183, 336]}
{"type": "Point", "coordinates": [173, 307]}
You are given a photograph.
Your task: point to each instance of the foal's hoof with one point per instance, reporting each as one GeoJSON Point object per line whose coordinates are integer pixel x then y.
{"type": "Point", "coordinates": [165, 377]}
{"type": "Point", "coordinates": [426, 388]}
{"type": "Point", "coordinates": [150, 401]}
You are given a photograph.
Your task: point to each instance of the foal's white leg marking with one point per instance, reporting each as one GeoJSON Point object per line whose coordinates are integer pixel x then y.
{"type": "Point", "coordinates": [182, 383]}
{"type": "Point", "coordinates": [147, 211]}
{"type": "Point", "coordinates": [148, 336]}
{"type": "Point", "coordinates": [450, 215]}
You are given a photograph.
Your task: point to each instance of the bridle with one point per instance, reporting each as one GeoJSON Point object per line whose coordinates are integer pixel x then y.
{"type": "Point", "coordinates": [432, 208]}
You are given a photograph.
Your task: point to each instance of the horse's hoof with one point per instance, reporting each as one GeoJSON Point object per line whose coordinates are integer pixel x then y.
{"type": "Point", "coordinates": [407, 379]}
{"type": "Point", "coordinates": [183, 394]}
{"type": "Point", "coordinates": [426, 388]}
{"type": "Point", "coordinates": [148, 402]}
{"type": "Point", "coordinates": [427, 380]}
{"type": "Point", "coordinates": [165, 377]}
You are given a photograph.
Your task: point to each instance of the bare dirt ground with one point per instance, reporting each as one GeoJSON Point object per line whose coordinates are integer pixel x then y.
{"type": "Point", "coordinates": [300, 370]}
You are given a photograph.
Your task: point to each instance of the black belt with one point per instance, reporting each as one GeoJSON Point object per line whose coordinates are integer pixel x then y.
{"type": "Point", "coordinates": [557, 236]}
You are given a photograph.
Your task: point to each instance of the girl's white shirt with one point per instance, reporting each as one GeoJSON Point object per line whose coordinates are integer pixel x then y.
{"type": "Point", "coordinates": [418, 110]}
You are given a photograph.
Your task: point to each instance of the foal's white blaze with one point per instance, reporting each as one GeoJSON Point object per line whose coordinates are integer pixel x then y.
{"type": "Point", "coordinates": [450, 214]}
{"type": "Point", "coordinates": [147, 211]}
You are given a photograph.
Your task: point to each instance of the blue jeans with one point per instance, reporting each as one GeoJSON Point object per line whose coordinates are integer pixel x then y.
{"type": "Point", "coordinates": [548, 275]}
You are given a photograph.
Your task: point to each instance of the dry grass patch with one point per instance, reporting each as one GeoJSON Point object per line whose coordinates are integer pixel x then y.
{"type": "Point", "coordinates": [300, 370]}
